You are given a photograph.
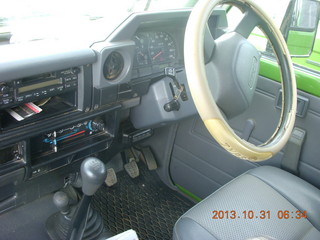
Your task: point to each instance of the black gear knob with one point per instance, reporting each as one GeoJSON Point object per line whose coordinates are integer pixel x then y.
{"type": "Point", "coordinates": [93, 174]}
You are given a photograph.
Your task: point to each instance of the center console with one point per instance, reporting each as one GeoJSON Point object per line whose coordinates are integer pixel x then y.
{"type": "Point", "coordinates": [48, 125]}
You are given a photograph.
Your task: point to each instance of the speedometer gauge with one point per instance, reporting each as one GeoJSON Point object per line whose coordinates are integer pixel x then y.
{"type": "Point", "coordinates": [161, 47]}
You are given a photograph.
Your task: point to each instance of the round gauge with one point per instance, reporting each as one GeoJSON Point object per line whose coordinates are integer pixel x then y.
{"type": "Point", "coordinates": [142, 55]}
{"type": "Point", "coordinates": [113, 66]}
{"type": "Point", "coordinates": [161, 47]}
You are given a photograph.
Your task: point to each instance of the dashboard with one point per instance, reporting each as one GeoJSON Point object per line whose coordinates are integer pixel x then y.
{"type": "Point", "coordinates": [79, 96]}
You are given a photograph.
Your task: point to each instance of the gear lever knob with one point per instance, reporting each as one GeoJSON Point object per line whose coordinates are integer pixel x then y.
{"type": "Point", "coordinates": [61, 201]}
{"type": "Point", "coordinates": [93, 174]}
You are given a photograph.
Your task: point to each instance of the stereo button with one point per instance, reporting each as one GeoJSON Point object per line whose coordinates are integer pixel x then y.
{"type": "Point", "coordinates": [70, 84]}
{"type": "Point", "coordinates": [28, 95]}
{"type": "Point", "coordinates": [52, 90]}
{"type": "Point", "coordinates": [67, 79]}
{"type": "Point", "coordinates": [20, 99]}
{"type": "Point", "coordinates": [7, 100]}
{"type": "Point", "coordinates": [36, 94]}
{"type": "Point", "coordinates": [5, 95]}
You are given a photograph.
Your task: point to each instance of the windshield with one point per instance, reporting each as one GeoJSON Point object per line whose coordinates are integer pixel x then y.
{"type": "Point", "coordinates": [31, 20]}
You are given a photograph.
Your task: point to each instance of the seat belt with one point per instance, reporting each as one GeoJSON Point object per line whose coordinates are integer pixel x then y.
{"type": "Point", "coordinates": [291, 156]}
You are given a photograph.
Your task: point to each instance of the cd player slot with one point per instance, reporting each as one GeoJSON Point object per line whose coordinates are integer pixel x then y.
{"type": "Point", "coordinates": [37, 78]}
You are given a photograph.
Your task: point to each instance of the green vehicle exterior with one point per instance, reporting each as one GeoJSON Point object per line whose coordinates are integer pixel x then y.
{"type": "Point", "coordinates": [305, 46]}
{"type": "Point", "coordinates": [307, 69]}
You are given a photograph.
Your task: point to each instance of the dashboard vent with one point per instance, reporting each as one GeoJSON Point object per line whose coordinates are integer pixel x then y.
{"type": "Point", "coordinates": [113, 66]}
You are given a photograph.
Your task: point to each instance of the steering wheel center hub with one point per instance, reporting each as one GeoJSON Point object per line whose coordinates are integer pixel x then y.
{"type": "Point", "coordinates": [236, 62]}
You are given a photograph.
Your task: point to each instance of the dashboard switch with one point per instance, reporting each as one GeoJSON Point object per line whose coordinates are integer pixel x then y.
{"type": "Point", "coordinates": [170, 72]}
{"type": "Point", "coordinates": [98, 124]}
{"type": "Point", "coordinates": [173, 105]}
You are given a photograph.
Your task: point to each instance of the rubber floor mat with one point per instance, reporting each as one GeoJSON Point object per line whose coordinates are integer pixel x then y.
{"type": "Point", "coordinates": [143, 204]}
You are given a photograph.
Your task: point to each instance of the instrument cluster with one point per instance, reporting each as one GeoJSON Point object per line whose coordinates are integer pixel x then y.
{"type": "Point", "coordinates": [154, 48]}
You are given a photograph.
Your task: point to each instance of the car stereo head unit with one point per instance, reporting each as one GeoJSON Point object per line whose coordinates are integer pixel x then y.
{"type": "Point", "coordinates": [37, 87]}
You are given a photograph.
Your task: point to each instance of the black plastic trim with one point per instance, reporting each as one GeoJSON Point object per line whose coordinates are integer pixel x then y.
{"type": "Point", "coordinates": [24, 132]}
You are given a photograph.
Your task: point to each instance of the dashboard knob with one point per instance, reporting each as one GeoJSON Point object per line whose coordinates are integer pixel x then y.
{"type": "Point", "coordinates": [98, 124]}
{"type": "Point", "coordinates": [75, 70]}
{"type": "Point", "coordinates": [4, 88]}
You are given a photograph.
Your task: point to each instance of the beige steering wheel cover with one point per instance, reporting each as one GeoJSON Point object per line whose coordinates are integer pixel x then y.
{"type": "Point", "coordinates": [202, 96]}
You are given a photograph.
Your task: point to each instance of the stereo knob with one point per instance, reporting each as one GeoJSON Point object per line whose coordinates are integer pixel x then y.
{"type": "Point", "coordinates": [4, 88]}
{"type": "Point", "coordinates": [97, 124]}
{"type": "Point", "coordinates": [75, 70]}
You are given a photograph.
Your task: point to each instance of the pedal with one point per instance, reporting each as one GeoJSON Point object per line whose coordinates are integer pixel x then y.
{"type": "Point", "coordinates": [148, 158]}
{"type": "Point", "coordinates": [132, 169]}
{"type": "Point", "coordinates": [137, 154]}
{"type": "Point", "coordinates": [130, 156]}
{"type": "Point", "coordinates": [111, 178]}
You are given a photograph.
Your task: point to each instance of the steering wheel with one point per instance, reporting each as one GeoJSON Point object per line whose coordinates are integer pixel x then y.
{"type": "Point", "coordinates": [232, 64]}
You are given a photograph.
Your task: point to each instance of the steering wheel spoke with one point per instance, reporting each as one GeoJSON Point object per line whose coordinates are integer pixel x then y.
{"type": "Point", "coordinates": [249, 21]}
{"type": "Point", "coordinates": [209, 44]}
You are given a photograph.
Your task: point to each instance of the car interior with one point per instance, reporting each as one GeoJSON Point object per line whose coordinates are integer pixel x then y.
{"type": "Point", "coordinates": [200, 122]}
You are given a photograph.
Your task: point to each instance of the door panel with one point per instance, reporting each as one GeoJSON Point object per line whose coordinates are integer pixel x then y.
{"type": "Point", "coordinates": [201, 166]}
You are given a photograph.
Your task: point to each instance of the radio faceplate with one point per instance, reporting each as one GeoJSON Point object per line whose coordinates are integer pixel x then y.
{"type": "Point", "coordinates": [34, 88]}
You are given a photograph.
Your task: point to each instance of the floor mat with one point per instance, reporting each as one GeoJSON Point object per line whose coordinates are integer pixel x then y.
{"type": "Point", "coordinates": [143, 204]}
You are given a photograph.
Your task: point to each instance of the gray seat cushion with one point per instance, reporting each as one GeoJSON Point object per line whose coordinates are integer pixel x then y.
{"type": "Point", "coordinates": [261, 189]}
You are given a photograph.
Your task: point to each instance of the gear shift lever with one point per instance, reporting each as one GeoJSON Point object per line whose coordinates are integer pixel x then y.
{"type": "Point", "coordinates": [61, 201]}
{"type": "Point", "coordinates": [74, 222]}
{"type": "Point", "coordinates": [93, 174]}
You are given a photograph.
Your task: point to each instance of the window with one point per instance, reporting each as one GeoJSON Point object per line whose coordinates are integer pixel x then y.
{"type": "Point", "coordinates": [81, 21]}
